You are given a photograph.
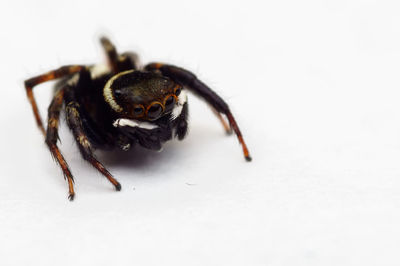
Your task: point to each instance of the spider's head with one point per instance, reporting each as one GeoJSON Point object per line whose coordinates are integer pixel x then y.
{"type": "Point", "coordinates": [141, 95]}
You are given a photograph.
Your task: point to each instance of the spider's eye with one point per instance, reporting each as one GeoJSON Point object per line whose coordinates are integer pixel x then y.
{"type": "Point", "coordinates": [169, 103]}
{"type": "Point", "coordinates": [154, 111]}
{"type": "Point", "coordinates": [137, 111]}
{"type": "Point", "coordinates": [178, 91]}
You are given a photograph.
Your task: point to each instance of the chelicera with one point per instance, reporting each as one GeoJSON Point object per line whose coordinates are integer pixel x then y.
{"type": "Point", "coordinates": [118, 105]}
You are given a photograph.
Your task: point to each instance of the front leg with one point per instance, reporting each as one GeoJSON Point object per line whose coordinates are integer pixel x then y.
{"type": "Point", "coordinates": [190, 81]}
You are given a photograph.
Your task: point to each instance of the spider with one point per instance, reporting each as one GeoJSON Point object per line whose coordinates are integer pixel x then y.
{"type": "Point", "coordinates": [118, 105]}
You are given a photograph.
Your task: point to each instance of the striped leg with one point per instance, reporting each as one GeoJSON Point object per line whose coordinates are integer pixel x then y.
{"type": "Point", "coordinates": [75, 124]}
{"type": "Point", "coordinates": [52, 137]}
{"type": "Point", "coordinates": [190, 81]}
{"type": "Point", "coordinates": [51, 75]}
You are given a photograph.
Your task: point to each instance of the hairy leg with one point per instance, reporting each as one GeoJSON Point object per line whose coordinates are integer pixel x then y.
{"type": "Point", "coordinates": [190, 81]}
{"type": "Point", "coordinates": [75, 124]}
{"type": "Point", "coordinates": [52, 138]}
{"type": "Point", "coordinates": [51, 75]}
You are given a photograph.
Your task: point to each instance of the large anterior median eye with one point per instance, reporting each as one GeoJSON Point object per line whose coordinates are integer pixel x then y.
{"type": "Point", "coordinates": [154, 111]}
{"type": "Point", "coordinates": [169, 103]}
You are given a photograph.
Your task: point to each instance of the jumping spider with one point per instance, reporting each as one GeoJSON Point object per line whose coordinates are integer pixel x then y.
{"type": "Point", "coordinates": [120, 104]}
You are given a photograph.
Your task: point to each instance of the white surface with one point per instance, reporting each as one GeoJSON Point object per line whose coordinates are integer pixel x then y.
{"type": "Point", "coordinates": [314, 86]}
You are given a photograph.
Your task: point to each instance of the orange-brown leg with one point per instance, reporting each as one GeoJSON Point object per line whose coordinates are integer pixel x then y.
{"type": "Point", "coordinates": [75, 124]}
{"type": "Point", "coordinates": [52, 137]}
{"type": "Point", "coordinates": [239, 135]}
{"type": "Point", "coordinates": [51, 75]}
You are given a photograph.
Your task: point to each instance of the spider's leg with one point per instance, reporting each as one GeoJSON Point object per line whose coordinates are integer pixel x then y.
{"type": "Point", "coordinates": [75, 124]}
{"type": "Point", "coordinates": [129, 60]}
{"type": "Point", "coordinates": [227, 127]}
{"type": "Point", "coordinates": [51, 75]}
{"type": "Point", "coordinates": [182, 123]}
{"type": "Point", "coordinates": [190, 81]}
{"type": "Point", "coordinates": [118, 63]}
{"type": "Point", "coordinates": [111, 52]}
{"type": "Point", "coordinates": [52, 137]}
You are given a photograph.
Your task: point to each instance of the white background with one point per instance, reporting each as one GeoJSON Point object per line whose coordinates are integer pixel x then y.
{"type": "Point", "coordinates": [314, 86]}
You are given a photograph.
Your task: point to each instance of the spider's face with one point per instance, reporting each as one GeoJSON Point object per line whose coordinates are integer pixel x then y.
{"type": "Point", "coordinates": [141, 95]}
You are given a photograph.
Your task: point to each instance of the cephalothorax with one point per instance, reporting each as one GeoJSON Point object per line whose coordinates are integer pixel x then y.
{"type": "Point", "coordinates": [120, 105]}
